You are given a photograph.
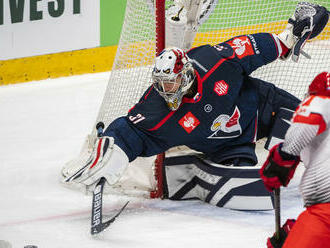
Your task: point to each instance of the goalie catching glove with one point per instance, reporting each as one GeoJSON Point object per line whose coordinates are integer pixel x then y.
{"type": "Point", "coordinates": [279, 168]}
{"type": "Point", "coordinates": [107, 160]}
{"type": "Point", "coordinates": [307, 22]}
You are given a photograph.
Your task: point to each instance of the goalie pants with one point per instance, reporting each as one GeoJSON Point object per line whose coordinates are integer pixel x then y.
{"type": "Point", "coordinates": [312, 228]}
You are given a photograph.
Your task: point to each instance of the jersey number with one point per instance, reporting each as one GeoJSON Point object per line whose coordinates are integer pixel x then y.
{"type": "Point", "coordinates": [136, 119]}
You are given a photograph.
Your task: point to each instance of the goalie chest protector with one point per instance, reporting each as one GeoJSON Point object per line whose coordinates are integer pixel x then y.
{"type": "Point", "coordinates": [223, 112]}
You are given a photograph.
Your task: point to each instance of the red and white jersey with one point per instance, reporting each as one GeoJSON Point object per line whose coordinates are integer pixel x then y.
{"type": "Point", "coordinates": [309, 137]}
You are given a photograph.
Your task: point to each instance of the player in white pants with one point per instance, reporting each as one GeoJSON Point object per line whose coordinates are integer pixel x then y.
{"type": "Point", "coordinates": [308, 138]}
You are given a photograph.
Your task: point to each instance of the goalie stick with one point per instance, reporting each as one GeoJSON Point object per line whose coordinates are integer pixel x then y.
{"type": "Point", "coordinates": [97, 225]}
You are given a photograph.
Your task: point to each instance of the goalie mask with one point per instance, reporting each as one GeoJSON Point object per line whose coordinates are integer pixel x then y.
{"type": "Point", "coordinates": [320, 85]}
{"type": "Point", "coordinates": [172, 76]}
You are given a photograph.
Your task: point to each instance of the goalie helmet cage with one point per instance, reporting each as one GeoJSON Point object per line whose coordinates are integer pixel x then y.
{"type": "Point", "coordinates": [142, 36]}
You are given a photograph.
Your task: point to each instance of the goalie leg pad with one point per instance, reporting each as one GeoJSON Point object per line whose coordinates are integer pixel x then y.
{"type": "Point", "coordinates": [190, 177]}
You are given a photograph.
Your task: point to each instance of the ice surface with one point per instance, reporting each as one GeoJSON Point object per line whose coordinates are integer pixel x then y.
{"type": "Point", "coordinates": [43, 125]}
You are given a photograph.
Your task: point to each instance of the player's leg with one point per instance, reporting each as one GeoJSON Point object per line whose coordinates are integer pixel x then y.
{"type": "Point", "coordinates": [236, 187]}
{"type": "Point", "coordinates": [312, 228]}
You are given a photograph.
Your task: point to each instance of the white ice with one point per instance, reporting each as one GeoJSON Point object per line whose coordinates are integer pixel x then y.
{"type": "Point", "coordinates": [43, 125]}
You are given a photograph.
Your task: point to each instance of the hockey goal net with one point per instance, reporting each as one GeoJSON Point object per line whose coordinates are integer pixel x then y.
{"type": "Point", "coordinates": [217, 21]}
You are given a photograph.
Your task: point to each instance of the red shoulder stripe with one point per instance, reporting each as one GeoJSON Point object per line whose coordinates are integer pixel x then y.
{"type": "Point", "coordinates": [216, 66]}
{"type": "Point", "coordinates": [162, 121]}
{"type": "Point", "coordinates": [312, 119]}
{"type": "Point", "coordinates": [145, 97]}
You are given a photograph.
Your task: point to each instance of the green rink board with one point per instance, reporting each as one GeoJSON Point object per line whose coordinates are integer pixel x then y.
{"type": "Point", "coordinates": [111, 19]}
{"type": "Point", "coordinates": [245, 12]}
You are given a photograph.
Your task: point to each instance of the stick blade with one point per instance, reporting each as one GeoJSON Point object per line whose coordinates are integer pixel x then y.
{"type": "Point", "coordinates": [103, 225]}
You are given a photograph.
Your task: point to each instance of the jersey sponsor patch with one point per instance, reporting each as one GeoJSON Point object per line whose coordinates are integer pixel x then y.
{"type": "Point", "coordinates": [189, 122]}
{"type": "Point", "coordinates": [225, 126]}
{"type": "Point", "coordinates": [221, 88]}
{"type": "Point", "coordinates": [242, 46]}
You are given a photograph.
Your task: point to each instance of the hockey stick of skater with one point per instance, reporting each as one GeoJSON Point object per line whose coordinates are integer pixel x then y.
{"type": "Point", "coordinates": [277, 206]}
{"type": "Point", "coordinates": [97, 225]}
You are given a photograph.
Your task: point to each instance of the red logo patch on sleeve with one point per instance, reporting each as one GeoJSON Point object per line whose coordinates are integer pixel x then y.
{"type": "Point", "coordinates": [242, 46]}
{"type": "Point", "coordinates": [221, 88]}
{"type": "Point", "coordinates": [189, 122]}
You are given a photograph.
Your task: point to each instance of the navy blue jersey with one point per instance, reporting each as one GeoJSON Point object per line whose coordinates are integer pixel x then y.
{"type": "Point", "coordinates": [223, 113]}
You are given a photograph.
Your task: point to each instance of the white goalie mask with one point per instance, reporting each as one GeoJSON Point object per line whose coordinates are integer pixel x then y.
{"type": "Point", "coordinates": [172, 76]}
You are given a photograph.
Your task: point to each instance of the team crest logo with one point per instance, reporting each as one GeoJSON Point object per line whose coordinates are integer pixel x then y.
{"type": "Point", "coordinates": [221, 88]}
{"type": "Point", "coordinates": [242, 46]}
{"type": "Point", "coordinates": [189, 122]}
{"type": "Point", "coordinates": [225, 126]}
